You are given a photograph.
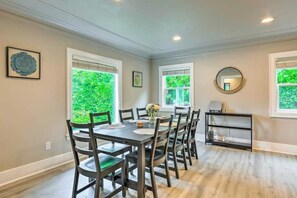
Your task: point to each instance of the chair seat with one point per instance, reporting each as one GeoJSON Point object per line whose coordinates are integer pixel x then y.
{"type": "Point", "coordinates": [172, 136]}
{"type": "Point", "coordinates": [179, 145]}
{"type": "Point", "coordinates": [180, 138]}
{"type": "Point", "coordinates": [106, 161]}
{"type": "Point", "coordinates": [114, 149]}
{"type": "Point", "coordinates": [134, 155]}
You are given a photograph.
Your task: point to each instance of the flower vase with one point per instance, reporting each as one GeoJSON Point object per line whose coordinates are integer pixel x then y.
{"type": "Point", "coordinates": [152, 118]}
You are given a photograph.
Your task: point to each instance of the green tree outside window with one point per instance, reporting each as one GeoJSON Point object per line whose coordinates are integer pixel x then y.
{"type": "Point", "coordinates": [287, 88]}
{"type": "Point", "coordinates": [177, 90]}
{"type": "Point", "coordinates": [92, 91]}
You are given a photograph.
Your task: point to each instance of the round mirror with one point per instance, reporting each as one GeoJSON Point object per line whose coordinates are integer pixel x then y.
{"type": "Point", "coordinates": [229, 80]}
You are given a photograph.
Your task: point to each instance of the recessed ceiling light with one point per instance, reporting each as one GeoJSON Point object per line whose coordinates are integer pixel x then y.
{"type": "Point", "coordinates": [176, 38]}
{"type": "Point", "coordinates": [267, 20]}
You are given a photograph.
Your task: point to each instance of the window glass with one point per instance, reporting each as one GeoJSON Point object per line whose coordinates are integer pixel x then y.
{"type": "Point", "coordinates": [177, 81]}
{"type": "Point", "coordinates": [288, 97]}
{"type": "Point", "coordinates": [170, 96]}
{"type": "Point", "coordinates": [287, 88]}
{"type": "Point", "coordinates": [176, 85]}
{"type": "Point", "coordinates": [288, 75]}
{"type": "Point", "coordinates": [92, 91]}
{"type": "Point", "coordinates": [177, 90]}
{"type": "Point", "coordinates": [183, 99]}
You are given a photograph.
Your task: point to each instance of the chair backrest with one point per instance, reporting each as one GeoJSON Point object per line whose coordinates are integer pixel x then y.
{"type": "Point", "coordinates": [193, 124]}
{"type": "Point", "coordinates": [182, 110]}
{"type": "Point", "coordinates": [161, 139]}
{"type": "Point", "coordinates": [181, 128]}
{"type": "Point", "coordinates": [79, 140]}
{"type": "Point", "coordinates": [126, 114]}
{"type": "Point", "coordinates": [141, 112]}
{"type": "Point", "coordinates": [100, 118]}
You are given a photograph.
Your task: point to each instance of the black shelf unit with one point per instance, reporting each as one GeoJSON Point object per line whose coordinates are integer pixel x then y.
{"type": "Point", "coordinates": [229, 143]}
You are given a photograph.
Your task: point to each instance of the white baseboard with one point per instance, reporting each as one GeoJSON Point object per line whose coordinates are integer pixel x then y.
{"type": "Point", "coordinates": [275, 147]}
{"type": "Point", "coordinates": [262, 145]}
{"type": "Point", "coordinates": [34, 168]}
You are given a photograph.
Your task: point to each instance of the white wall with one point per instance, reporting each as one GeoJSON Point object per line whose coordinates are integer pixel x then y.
{"type": "Point", "coordinates": [34, 111]}
{"type": "Point", "coordinates": [254, 96]}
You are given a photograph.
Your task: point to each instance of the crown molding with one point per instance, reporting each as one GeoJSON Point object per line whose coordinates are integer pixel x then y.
{"type": "Point", "coordinates": [52, 16]}
{"type": "Point", "coordinates": [226, 45]}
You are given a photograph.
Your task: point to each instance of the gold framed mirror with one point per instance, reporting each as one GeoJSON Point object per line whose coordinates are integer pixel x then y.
{"type": "Point", "coordinates": [229, 80]}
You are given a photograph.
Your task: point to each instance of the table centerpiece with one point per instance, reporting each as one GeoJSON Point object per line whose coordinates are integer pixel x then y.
{"type": "Point", "coordinates": [152, 110]}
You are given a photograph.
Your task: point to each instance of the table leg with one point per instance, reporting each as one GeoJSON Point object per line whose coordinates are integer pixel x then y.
{"type": "Point", "coordinates": [141, 171]}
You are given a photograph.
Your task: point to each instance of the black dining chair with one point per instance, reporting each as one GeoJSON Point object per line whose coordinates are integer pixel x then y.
{"type": "Point", "coordinates": [183, 110]}
{"type": "Point", "coordinates": [97, 165]}
{"type": "Point", "coordinates": [176, 143]}
{"type": "Point", "coordinates": [189, 139]}
{"type": "Point", "coordinates": [111, 148]}
{"type": "Point", "coordinates": [156, 153]}
{"type": "Point", "coordinates": [126, 114]}
{"type": "Point", "coordinates": [141, 113]}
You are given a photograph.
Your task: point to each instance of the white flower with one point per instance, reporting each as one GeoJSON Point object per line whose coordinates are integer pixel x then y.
{"type": "Point", "coordinates": [152, 108]}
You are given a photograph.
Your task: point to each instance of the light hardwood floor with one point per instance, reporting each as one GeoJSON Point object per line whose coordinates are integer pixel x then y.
{"type": "Point", "coordinates": [219, 172]}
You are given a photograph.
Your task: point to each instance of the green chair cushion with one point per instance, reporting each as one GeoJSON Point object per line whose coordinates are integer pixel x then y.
{"type": "Point", "coordinates": [106, 161]}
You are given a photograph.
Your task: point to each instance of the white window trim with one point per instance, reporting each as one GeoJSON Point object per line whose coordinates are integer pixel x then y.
{"type": "Point", "coordinates": [175, 66]}
{"type": "Point", "coordinates": [100, 59]}
{"type": "Point", "coordinates": [273, 95]}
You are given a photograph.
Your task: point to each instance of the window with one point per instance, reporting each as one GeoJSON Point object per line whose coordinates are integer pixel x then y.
{"type": "Point", "coordinates": [227, 86]}
{"type": "Point", "coordinates": [176, 86]}
{"type": "Point", "coordinates": [93, 85]}
{"type": "Point", "coordinates": [283, 84]}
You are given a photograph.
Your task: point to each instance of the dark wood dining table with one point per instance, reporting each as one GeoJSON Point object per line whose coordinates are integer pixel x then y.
{"type": "Point", "coordinates": [127, 136]}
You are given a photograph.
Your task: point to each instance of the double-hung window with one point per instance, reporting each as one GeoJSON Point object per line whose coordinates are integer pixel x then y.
{"type": "Point", "coordinates": [93, 85]}
{"type": "Point", "coordinates": [283, 84]}
{"type": "Point", "coordinates": [176, 86]}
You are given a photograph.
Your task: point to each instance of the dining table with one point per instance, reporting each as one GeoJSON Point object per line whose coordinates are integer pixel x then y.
{"type": "Point", "coordinates": [125, 134]}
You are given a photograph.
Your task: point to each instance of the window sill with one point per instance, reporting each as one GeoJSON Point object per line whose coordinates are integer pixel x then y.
{"type": "Point", "coordinates": [166, 110]}
{"type": "Point", "coordinates": [284, 115]}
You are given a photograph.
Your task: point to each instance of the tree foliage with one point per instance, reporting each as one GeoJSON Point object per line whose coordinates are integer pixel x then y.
{"type": "Point", "coordinates": [92, 91]}
{"type": "Point", "coordinates": [178, 81]}
{"type": "Point", "coordinates": [287, 76]}
{"type": "Point", "coordinates": [288, 93]}
{"type": "Point", "coordinates": [288, 97]}
{"type": "Point", "coordinates": [177, 92]}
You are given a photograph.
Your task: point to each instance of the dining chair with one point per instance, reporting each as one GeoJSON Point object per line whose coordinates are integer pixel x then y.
{"type": "Point", "coordinates": [156, 153]}
{"type": "Point", "coordinates": [97, 166]}
{"type": "Point", "coordinates": [141, 113]}
{"type": "Point", "coordinates": [189, 139]}
{"type": "Point", "coordinates": [111, 148]}
{"type": "Point", "coordinates": [126, 114]}
{"type": "Point", "coordinates": [176, 143]}
{"type": "Point", "coordinates": [183, 110]}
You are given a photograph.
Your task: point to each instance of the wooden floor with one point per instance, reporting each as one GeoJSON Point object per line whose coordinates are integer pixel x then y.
{"type": "Point", "coordinates": [219, 172]}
